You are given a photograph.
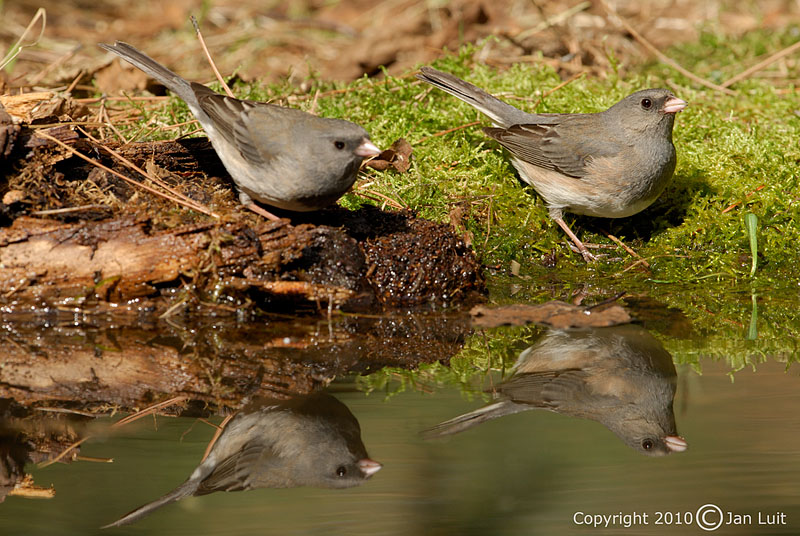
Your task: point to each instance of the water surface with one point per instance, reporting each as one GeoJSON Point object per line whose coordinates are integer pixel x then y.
{"type": "Point", "coordinates": [532, 472]}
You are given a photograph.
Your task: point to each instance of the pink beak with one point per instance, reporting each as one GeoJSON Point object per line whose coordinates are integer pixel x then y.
{"type": "Point", "coordinates": [369, 467]}
{"type": "Point", "coordinates": [674, 105]}
{"type": "Point", "coordinates": [366, 149]}
{"type": "Point", "coordinates": [676, 443]}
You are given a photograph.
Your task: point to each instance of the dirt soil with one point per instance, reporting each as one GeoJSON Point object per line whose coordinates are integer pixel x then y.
{"type": "Point", "coordinates": [345, 40]}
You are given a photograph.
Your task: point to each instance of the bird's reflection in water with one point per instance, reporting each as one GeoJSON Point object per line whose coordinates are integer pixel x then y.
{"type": "Point", "coordinates": [308, 441]}
{"type": "Point", "coordinates": [621, 377]}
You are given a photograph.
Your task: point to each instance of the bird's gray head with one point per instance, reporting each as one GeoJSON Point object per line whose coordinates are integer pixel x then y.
{"type": "Point", "coordinates": [346, 473]}
{"type": "Point", "coordinates": [344, 140]}
{"type": "Point", "coordinates": [651, 435]}
{"type": "Point", "coordinates": [647, 110]}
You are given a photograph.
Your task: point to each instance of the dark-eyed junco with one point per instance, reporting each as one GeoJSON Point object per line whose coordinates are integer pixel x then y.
{"type": "Point", "coordinates": [312, 440]}
{"type": "Point", "coordinates": [610, 164]}
{"type": "Point", "coordinates": [621, 377]}
{"type": "Point", "coordinates": [279, 156]}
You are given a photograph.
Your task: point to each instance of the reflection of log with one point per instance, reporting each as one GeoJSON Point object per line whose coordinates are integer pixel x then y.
{"type": "Point", "coordinates": [219, 364]}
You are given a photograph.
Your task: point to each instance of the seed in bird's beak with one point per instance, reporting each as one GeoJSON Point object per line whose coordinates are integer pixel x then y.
{"type": "Point", "coordinates": [366, 149]}
{"type": "Point", "coordinates": [674, 105]}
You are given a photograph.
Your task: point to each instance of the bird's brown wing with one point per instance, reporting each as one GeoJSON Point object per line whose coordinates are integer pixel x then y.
{"type": "Point", "coordinates": [567, 144]}
{"type": "Point", "coordinates": [553, 390]}
{"type": "Point", "coordinates": [232, 474]}
{"type": "Point", "coordinates": [229, 118]}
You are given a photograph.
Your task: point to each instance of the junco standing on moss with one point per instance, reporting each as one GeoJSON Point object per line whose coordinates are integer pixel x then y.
{"type": "Point", "coordinates": [279, 156]}
{"type": "Point", "coordinates": [311, 440]}
{"type": "Point", "coordinates": [610, 164]}
{"type": "Point", "coordinates": [620, 376]}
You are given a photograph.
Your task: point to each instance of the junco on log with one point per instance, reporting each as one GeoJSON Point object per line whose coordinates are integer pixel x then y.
{"type": "Point", "coordinates": [279, 156]}
{"type": "Point", "coordinates": [312, 440]}
{"type": "Point", "coordinates": [619, 376]}
{"type": "Point", "coordinates": [610, 164]}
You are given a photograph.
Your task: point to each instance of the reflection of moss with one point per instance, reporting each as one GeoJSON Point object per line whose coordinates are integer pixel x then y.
{"type": "Point", "coordinates": [489, 355]}
{"type": "Point", "coordinates": [486, 356]}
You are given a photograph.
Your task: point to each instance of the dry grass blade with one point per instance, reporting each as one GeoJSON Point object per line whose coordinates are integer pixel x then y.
{"type": "Point", "coordinates": [218, 432]}
{"type": "Point", "coordinates": [378, 197]}
{"type": "Point", "coordinates": [210, 60]}
{"type": "Point", "coordinates": [14, 51]}
{"type": "Point", "coordinates": [156, 180]}
{"type": "Point", "coordinates": [555, 19]}
{"type": "Point", "coordinates": [53, 65]}
{"type": "Point", "coordinates": [559, 86]}
{"type": "Point", "coordinates": [104, 117]}
{"type": "Point", "coordinates": [147, 411]}
{"type": "Point", "coordinates": [449, 130]}
{"type": "Point", "coordinates": [63, 453]}
{"type": "Point", "coordinates": [127, 179]}
{"type": "Point", "coordinates": [627, 248]}
{"type": "Point", "coordinates": [67, 210]}
{"type": "Point", "coordinates": [92, 100]}
{"type": "Point", "coordinates": [660, 55]}
{"type": "Point", "coordinates": [94, 459]}
{"type": "Point", "coordinates": [762, 65]}
{"type": "Point", "coordinates": [737, 203]}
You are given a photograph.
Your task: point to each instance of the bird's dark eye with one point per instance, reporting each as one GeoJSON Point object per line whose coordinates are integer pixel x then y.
{"type": "Point", "coordinates": [339, 145]}
{"type": "Point", "coordinates": [647, 444]}
{"type": "Point", "coordinates": [341, 470]}
{"type": "Point", "coordinates": [647, 104]}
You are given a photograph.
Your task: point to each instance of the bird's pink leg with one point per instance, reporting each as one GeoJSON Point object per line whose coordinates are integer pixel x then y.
{"type": "Point", "coordinates": [588, 257]}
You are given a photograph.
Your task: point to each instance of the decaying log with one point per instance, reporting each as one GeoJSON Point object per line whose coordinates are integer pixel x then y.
{"type": "Point", "coordinates": [158, 260]}
{"type": "Point", "coordinates": [47, 263]}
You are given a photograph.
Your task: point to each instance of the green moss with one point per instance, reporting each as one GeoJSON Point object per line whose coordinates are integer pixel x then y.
{"type": "Point", "coordinates": [736, 155]}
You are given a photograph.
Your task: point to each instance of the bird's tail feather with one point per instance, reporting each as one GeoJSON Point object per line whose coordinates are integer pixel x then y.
{"type": "Point", "coordinates": [473, 418]}
{"type": "Point", "coordinates": [184, 490]}
{"type": "Point", "coordinates": [172, 81]}
{"type": "Point", "coordinates": [499, 112]}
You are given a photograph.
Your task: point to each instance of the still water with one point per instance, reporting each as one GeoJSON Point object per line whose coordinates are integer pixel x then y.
{"type": "Point", "coordinates": [510, 468]}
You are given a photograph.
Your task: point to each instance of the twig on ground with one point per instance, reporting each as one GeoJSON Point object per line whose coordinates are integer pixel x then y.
{"type": "Point", "coordinates": [314, 103]}
{"type": "Point", "coordinates": [107, 119]}
{"type": "Point", "coordinates": [737, 203]}
{"type": "Point", "coordinates": [627, 248]}
{"type": "Point", "coordinates": [559, 86]}
{"type": "Point", "coordinates": [63, 453]}
{"type": "Point", "coordinates": [17, 47]}
{"type": "Point", "coordinates": [126, 179]}
{"type": "Point", "coordinates": [50, 67]}
{"type": "Point", "coordinates": [555, 19]}
{"type": "Point", "coordinates": [448, 131]}
{"type": "Point", "coordinates": [379, 197]}
{"type": "Point", "coordinates": [660, 55]}
{"type": "Point", "coordinates": [187, 201]}
{"type": "Point", "coordinates": [67, 210]}
{"type": "Point", "coordinates": [92, 100]}
{"type": "Point", "coordinates": [75, 81]}
{"type": "Point", "coordinates": [220, 428]}
{"type": "Point", "coordinates": [762, 64]}
{"type": "Point", "coordinates": [147, 411]}
{"type": "Point", "coordinates": [210, 61]}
